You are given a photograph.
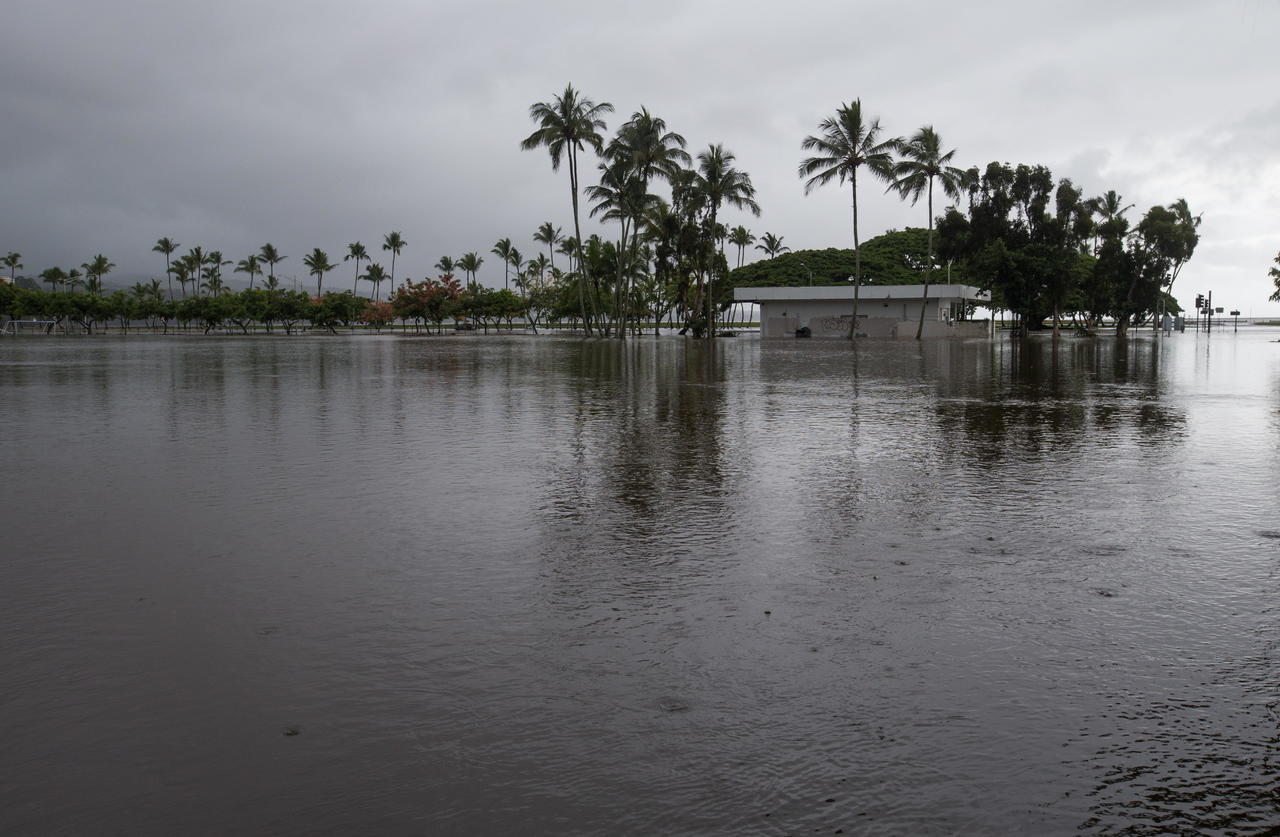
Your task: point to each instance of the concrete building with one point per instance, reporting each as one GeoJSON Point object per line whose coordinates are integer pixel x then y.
{"type": "Point", "coordinates": [883, 310]}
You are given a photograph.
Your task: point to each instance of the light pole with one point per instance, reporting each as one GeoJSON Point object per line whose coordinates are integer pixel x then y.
{"type": "Point", "coordinates": [808, 271]}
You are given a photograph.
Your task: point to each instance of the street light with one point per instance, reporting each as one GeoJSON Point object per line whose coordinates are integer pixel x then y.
{"type": "Point", "coordinates": [810, 272]}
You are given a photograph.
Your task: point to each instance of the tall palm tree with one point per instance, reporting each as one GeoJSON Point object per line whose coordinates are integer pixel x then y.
{"type": "Point", "coordinates": [167, 246]}
{"type": "Point", "coordinates": [357, 252]}
{"type": "Point", "coordinates": [718, 182]}
{"type": "Point", "coordinates": [620, 197]}
{"type": "Point", "coordinates": [13, 261]}
{"type": "Point", "coordinates": [922, 161]}
{"type": "Point", "coordinates": [94, 269]}
{"type": "Point", "coordinates": [538, 266]}
{"type": "Point", "coordinates": [394, 242]}
{"type": "Point", "coordinates": [53, 277]}
{"type": "Point", "coordinates": [741, 238]}
{"type": "Point", "coordinates": [846, 144]}
{"type": "Point", "coordinates": [249, 265]}
{"type": "Point", "coordinates": [469, 263]}
{"type": "Point", "coordinates": [447, 266]}
{"type": "Point", "coordinates": [772, 245]}
{"type": "Point", "coordinates": [317, 262]}
{"type": "Point", "coordinates": [195, 263]}
{"type": "Point", "coordinates": [549, 234]}
{"type": "Point", "coordinates": [272, 257]}
{"type": "Point", "coordinates": [642, 150]}
{"type": "Point", "coordinates": [569, 122]}
{"type": "Point", "coordinates": [375, 273]}
{"type": "Point", "coordinates": [503, 251]}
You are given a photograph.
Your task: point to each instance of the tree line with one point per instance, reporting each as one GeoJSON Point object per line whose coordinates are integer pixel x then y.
{"type": "Point", "coordinates": [1041, 248]}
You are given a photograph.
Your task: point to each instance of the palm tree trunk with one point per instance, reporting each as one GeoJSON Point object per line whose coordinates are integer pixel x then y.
{"type": "Point", "coordinates": [857, 256]}
{"type": "Point", "coordinates": [577, 231]}
{"type": "Point", "coordinates": [928, 268]}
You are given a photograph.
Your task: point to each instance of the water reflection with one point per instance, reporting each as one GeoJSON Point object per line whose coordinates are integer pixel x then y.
{"type": "Point", "coordinates": [659, 586]}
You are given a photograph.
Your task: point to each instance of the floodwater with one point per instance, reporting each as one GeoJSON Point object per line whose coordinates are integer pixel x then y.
{"type": "Point", "coordinates": [510, 585]}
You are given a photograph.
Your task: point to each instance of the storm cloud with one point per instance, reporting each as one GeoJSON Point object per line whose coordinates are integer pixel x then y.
{"type": "Point", "coordinates": [316, 124]}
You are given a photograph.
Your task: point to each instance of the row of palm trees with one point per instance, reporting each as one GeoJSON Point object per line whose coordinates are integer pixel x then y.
{"type": "Point", "coordinates": [685, 233]}
{"type": "Point", "coordinates": [847, 142]}
{"type": "Point", "coordinates": [644, 151]}
{"type": "Point", "coordinates": [203, 269]}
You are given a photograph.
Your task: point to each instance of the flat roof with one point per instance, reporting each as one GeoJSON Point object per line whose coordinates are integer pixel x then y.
{"type": "Point", "coordinates": [818, 293]}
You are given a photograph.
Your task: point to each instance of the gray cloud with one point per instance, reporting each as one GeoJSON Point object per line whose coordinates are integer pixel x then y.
{"type": "Point", "coordinates": [318, 123]}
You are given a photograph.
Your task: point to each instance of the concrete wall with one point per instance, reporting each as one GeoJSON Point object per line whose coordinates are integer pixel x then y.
{"type": "Point", "coordinates": [876, 318]}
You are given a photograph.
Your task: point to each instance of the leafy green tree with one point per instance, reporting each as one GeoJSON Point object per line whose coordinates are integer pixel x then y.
{"type": "Point", "coordinates": [846, 144]}
{"type": "Point", "coordinates": [356, 252]}
{"type": "Point", "coordinates": [334, 309]}
{"type": "Point", "coordinates": [922, 163]}
{"type": "Point", "coordinates": [317, 262]}
{"type": "Point", "coordinates": [168, 247]}
{"type": "Point", "coordinates": [394, 242]}
{"type": "Point", "coordinates": [568, 123]}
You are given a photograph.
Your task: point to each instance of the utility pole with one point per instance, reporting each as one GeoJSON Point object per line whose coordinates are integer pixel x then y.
{"type": "Point", "coordinates": [1208, 318]}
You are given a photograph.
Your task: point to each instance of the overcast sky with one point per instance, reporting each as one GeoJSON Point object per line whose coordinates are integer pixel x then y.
{"type": "Point", "coordinates": [316, 124]}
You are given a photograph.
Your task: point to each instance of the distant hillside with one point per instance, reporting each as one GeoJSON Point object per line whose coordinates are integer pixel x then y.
{"type": "Point", "coordinates": [895, 258]}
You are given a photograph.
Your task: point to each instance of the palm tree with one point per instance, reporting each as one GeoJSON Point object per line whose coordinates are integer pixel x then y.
{"type": "Point", "coordinates": [446, 265]}
{"type": "Point", "coordinates": [317, 262]}
{"type": "Point", "coordinates": [549, 234]}
{"type": "Point", "coordinates": [13, 261]}
{"type": "Point", "coordinates": [620, 197]}
{"type": "Point", "coordinates": [922, 162]}
{"type": "Point", "coordinates": [772, 245]}
{"type": "Point", "coordinates": [94, 270]}
{"type": "Point", "coordinates": [356, 251]}
{"type": "Point", "coordinates": [1188, 224]}
{"type": "Point", "coordinates": [515, 259]}
{"type": "Point", "coordinates": [538, 266]}
{"type": "Point", "coordinates": [741, 238]}
{"type": "Point", "coordinates": [846, 144]}
{"type": "Point", "coordinates": [375, 273]}
{"type": "Point", "coordinates": [272, 257]}
{"type": "Point", "coordinates": [568, 123]}
{"type": "Point", "coordinates": [53, 276]}
{"type": "Point", "coordinates": [73, 280]}
{"type": "Point", "coordinates": [250, 266]}
{"type": "Point", "coordinates": [395, 243]}
{"type": "Point", "coordinates": [183, 274]}
{"type": "Point", "coordinates": [168, 247]}
{"type": "Point", "coordinates": [718, 182]}
{"type": "Point", "coordinates": [195, 263]}
{"type": "Point", "coordinates": [642, 150]}
{"type": "Point", "coordinates": [503, 251]}
{"type": "Point", "coordinates": [469, 263]}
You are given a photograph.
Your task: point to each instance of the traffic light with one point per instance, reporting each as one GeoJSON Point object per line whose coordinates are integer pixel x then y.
{"type": "Point", "coordinates": [1199, 302]}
